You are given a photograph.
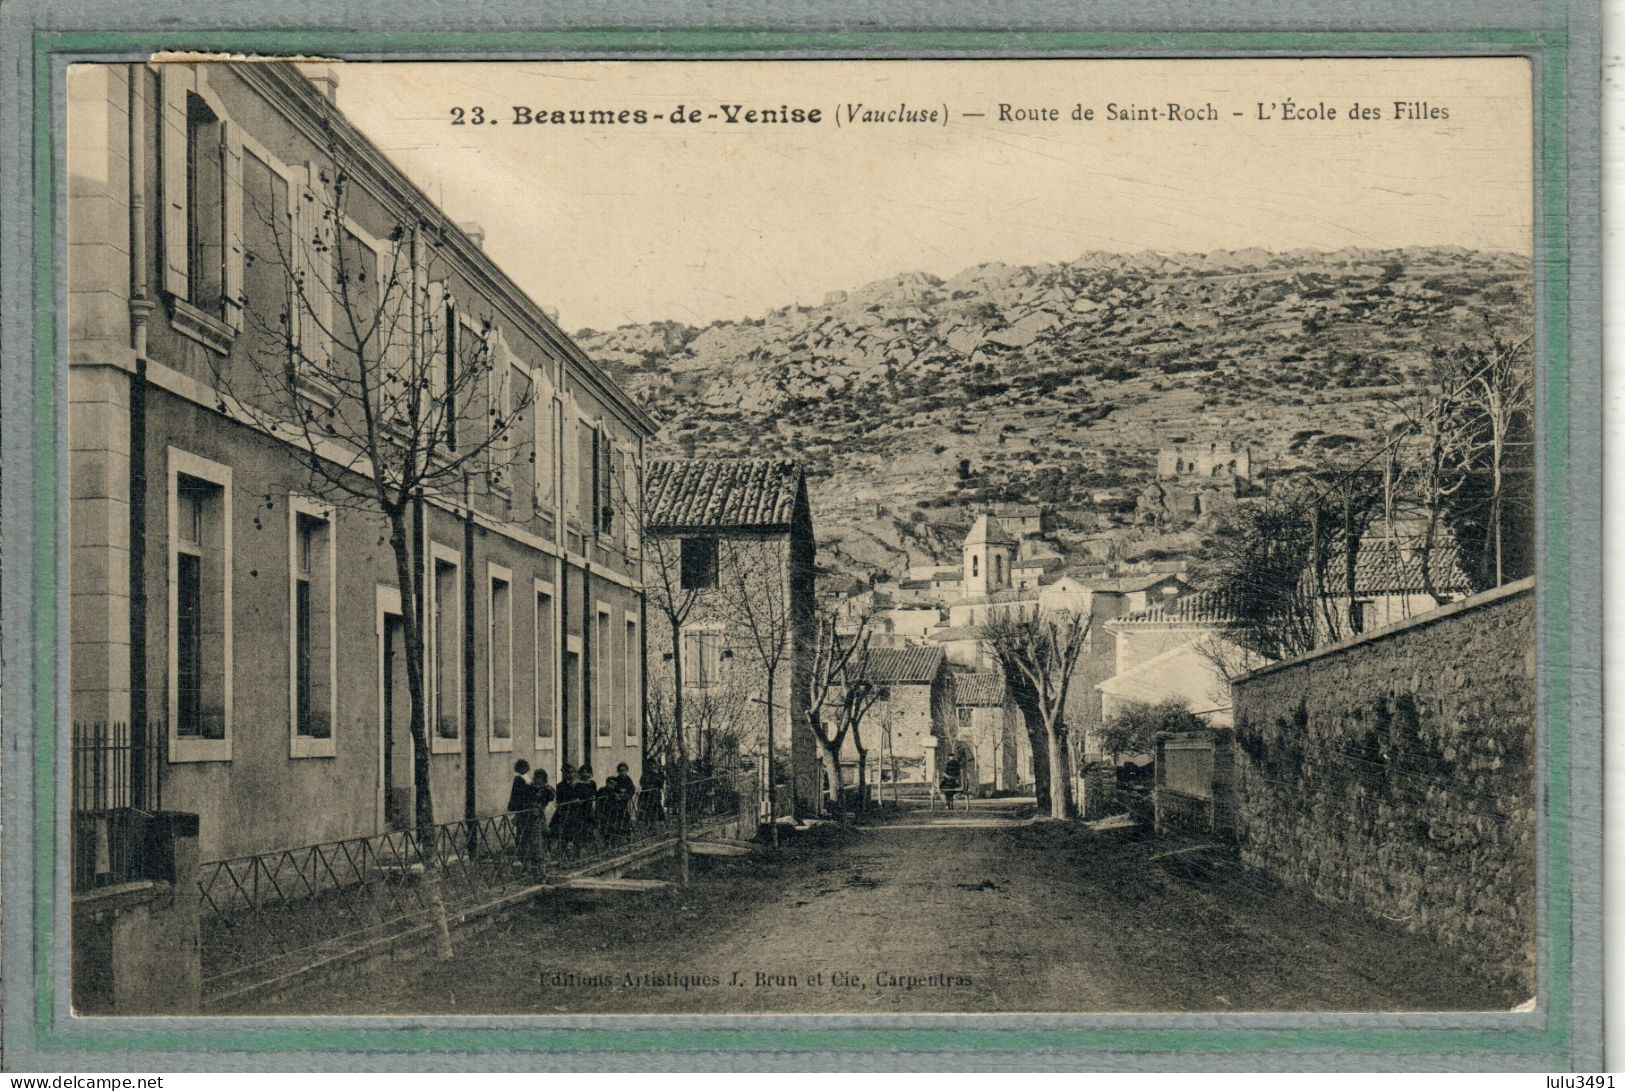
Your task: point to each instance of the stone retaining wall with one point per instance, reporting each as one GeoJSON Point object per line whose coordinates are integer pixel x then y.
{"type": "Point", "coordinates": [1396, 772]}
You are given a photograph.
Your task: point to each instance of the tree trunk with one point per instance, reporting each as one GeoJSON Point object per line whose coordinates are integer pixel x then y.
{"type": "Point", "coordinates": [830, 754]}
{"type": "Point", "coordinates": [423, 792]}
{"type": "Point", "coordinates": [772, 768]}
{"type": "Point", "coordinates": [1041, 781]}
{"type": "Point", "coordinates": [1060, 771]}
{"type": "Point", "coordinates": [863, 775]}
{"type": "Point", "coordinates": [1057, 772]}
{"type": "Point", "coordinates": [682, 752]}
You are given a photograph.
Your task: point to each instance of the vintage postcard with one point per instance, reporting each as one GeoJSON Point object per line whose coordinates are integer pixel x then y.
{"type": "Point", "coordinates": [562, 537]}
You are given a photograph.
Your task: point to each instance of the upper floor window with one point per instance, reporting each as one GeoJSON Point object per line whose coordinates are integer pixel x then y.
{"type": "Point", "coordinates": [205, 207]}
{"type": "Point", "coordinates": [699, 564]}
{"type": "Point", "coordinates": [702, 657]}
{"type": "Point", "coordinates": [200, 194]}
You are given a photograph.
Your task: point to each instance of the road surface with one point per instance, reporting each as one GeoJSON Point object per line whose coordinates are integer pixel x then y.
{"type": "Point", "coordinates": [927, 913]}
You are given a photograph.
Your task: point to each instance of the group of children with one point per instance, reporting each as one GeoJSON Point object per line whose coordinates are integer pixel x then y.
{"type": "Point", "coordinates": [584, 807]}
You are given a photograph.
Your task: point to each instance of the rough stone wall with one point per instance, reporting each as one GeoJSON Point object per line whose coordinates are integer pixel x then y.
{"type": "Point", "coordinates": [1396, 772]}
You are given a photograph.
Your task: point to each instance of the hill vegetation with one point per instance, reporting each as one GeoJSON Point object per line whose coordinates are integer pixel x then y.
{"type": "Point", "coordinates": [914, 398]}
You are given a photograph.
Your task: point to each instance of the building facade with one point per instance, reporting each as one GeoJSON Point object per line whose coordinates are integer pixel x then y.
{"type": "Point", "coordinates": [729, 555]}
{"type": "Point", "coordinates": [913, 716]}
{"type": "Point", "coordinates": [991, 726]}
{"type": "Point", "coordinates": [232, 602]}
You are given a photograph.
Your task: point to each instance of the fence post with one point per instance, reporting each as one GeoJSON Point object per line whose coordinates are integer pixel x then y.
{"type": "Point", "coordinates": [150, 961]}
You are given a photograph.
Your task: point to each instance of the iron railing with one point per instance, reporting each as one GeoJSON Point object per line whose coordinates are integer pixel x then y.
{"type": "Point", "coordinates": [275, 911]}
{"type": "Point", "coordinates": [115, 786]}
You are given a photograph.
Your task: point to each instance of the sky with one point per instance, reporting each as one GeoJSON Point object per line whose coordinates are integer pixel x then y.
{"type": "Point", "coordinates": [622, 223]}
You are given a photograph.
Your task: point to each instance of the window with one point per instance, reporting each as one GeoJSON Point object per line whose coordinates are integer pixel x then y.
{"type": "Point", "coordinates": [586, 474]}
{"type": "Point", "coordinates": [201, 189]}
{"type": "Point", "coordinates": [311, 627]}
{"type": "Point", "coordinates": [702, 657]}
{"type": "Point", "coordinates": [200, 645]}
{"type": "Point", "coordinates": [549, 416]}
{"type": "Point", "coordinates": [699, 564]}
{"type": "Point", "coordinates": [998, 568]}
{"type": "Point", "coordinates": [604, 474]}
{"type": "Point", "coordinates": [205, 207]}
{"type": "Point", "coordinates": [446, 616]}
{"type": "Point", "coordinates": [975, 565]}
{"type": "Point", "coordinates": [499, 658]}
{"type": "Point", "coordinates": [603, 686]}
{"type": "Point", "coordinates": [633, 674]}
{"type": "Point", "coordinates": [1365, 615]}
{"type": "Point", "coordinates": [546, 651]}
{"type": "Point", "coordinates": [572, 687]}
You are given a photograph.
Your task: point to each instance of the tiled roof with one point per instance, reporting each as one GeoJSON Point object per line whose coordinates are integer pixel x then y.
{"type": "Point", "coordinates": [988, 529]}
{"type": "Point", "coordinates": [984, 689]}
{"type": "Point", "coordinates": [1384, 567]}
{"type": "Point", "coordinates": [1201, 608]}
{"type": "Point", "coordinates": [955, 632]}
{"type": "Point", "coordinates": [721, 493]}
{"type": "Point", "coordinates": [1126, 584]}
{"type": "Point", "coordinates": [903, 665]}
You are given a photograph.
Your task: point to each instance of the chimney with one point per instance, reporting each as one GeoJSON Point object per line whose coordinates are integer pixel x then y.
{"type": "Point", "coordinates": [326, 81]}
{"type": "Point", "coordinates": [475, 232]}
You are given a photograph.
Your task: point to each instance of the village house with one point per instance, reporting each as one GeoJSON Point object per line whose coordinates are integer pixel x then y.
{"type": "Point", "coordinates": [1179, 650]}
{"type": "Point", "coordinates": [905, 726]}
{"type": "Point", "coordinates": [1394, 579]}
{"type": "Point", "coordinates": [991, 727]}
{"type": "Point", "coordinates": [733, 538]}
{"type": "Point", "coordinates": [240, 627]}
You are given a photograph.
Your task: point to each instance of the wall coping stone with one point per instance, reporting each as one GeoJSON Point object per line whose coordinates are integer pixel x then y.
{"type": "Point", "coordinates": [1417, 621]}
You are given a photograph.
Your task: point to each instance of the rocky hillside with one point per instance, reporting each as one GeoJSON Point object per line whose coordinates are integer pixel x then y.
{"type": "Point", "coordinates": [913, 397]}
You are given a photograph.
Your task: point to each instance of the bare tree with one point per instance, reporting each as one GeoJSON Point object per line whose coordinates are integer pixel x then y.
{"type": "Point", "coordinates": [715, 720]}
{"type": "Point", "coordinates": [359, 364]}
{"type": "Point", "coordinates": [1038, 656]}
{"type": "Point", "coordinates": [673, 598]}
{"type": "Point", "coordinates": [841, 695]}
{"type": "Point", "coordinates": [756, 582]}
{"type": "Point", "coordinates": [1479, 419]}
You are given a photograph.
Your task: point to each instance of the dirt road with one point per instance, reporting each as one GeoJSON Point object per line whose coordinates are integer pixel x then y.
{"type": "Point", "coordinates": [925, 914]}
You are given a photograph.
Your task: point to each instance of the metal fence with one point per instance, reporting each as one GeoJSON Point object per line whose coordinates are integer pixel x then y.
{"type": "Point", "coordinates": [115, 785]}
{"type": "Point", "coordinates": [276, 911]}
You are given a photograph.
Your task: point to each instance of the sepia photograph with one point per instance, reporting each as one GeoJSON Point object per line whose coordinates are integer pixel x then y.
{"type": "Point", "coordinates": [802, 537]}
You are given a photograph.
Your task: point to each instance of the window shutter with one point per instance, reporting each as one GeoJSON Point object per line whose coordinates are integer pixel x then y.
{"type": "Point", "coordinates": [541, 418]}
{"type": "Point", "coordinates": [691, 657]}
{"type": "Point", "coordinates": [435, 339]}
{"type": "Point", "coordinates": [232, 241]}
{"type": "Point", "coordinates": [606, 483]}
{"type": "Point", "coordinates": [585, 475]}
{"type": "Point", "coordinates": [175, 81]}
{"type": "Point", "coordinates": [627, 470]}
{"type": "Point", "coordinates": [313, 259]}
